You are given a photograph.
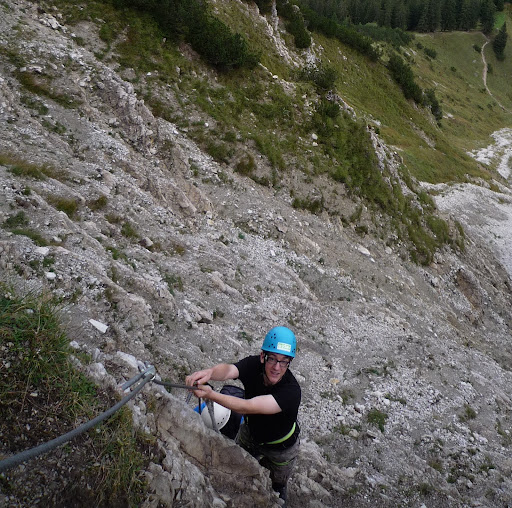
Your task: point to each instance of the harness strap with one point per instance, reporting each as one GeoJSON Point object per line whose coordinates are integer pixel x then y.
{"type": "Point", "coordinates": [280, 463]}
{"type": "Point", "coordinates": [283, 439]}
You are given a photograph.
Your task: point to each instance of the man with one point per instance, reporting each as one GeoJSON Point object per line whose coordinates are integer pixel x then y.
{"type": "Point", "coordinates": [272, 396]}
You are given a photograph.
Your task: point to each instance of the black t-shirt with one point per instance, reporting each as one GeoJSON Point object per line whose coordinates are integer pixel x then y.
{"type": "Point", "coordinates": [266, 428]}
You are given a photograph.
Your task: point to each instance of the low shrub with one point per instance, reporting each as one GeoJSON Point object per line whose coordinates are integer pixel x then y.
{"type": "Point", "coordinates": [377, 417]}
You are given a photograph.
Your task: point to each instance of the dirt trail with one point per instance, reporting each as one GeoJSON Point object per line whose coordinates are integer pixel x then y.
{"type": "Point", "coordinates": [484, 78]}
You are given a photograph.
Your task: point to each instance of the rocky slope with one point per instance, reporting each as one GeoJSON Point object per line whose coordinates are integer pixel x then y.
{"type": "Point", "coordinates": [405, 370]}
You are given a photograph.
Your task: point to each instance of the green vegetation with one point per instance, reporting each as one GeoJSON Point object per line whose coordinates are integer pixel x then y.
{"type": "Point", "coordinates": [15, 221]}
{"type": "Point", "coordinates": [312, 205]}
{"type": "Point", "coordinates": [324, 77]}
{"type": "Point", "coordinates": [406, 15]}
{"type": "Point", "coordinates": [192, 21]}
{"type": "Point", "coordinates": [396, 37]}
{"type": "Point", "coordinates": [117, 254]}
{"type": "Point", "coordinates": [22, 168]}
{"type": "Point", "coordinates": [99, 203]}
{"type": "Point", "coordinates": [259, 115]}
{"type": "Point", "coordinates": [17, 224]}
{"type": "Point", "coordinates": [403, 75]}
{"type": "Point", "coordinates": [468, 414]}
{"type": "Point", "coordinates": [377, 418]}
{"type": "Point", "coordinates": [294, 23]}
{"type": "Point", "coordinates": [246, 165]}
{"type": "Point", "coordinates": [499, 43]}
{"type": "Point", "coordinates": [39, 371]}
{"type": "Point", "coordinates": [128, 230]}
{"type": "Point", "coordinates": [346, 34]}
{"type": "Point", "coordinates": [435, 463]}
{"type": "Point", "coordinates": [174, 282]}
{"type": "Point", "coordinates": [67, 205]}
{"type": "Point", "coordinates": [41, 85]}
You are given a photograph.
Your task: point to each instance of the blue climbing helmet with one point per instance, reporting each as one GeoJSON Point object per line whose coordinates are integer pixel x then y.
{"type": "Point", "coordinates": [280, 340]}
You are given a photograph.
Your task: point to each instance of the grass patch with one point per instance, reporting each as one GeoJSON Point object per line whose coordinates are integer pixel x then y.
{"type": "Point", "coordinates": [34, 104]}
{"type": "Point", "coordinates": [17, 225]}
{"type": "Point", "coordinates": [38, 356]}
{"type": "Point", "coordinates": [235, 15]}
{"type": "Point", "coordinates": [98, 204]}
{"type": "Point", "coordinates": [40, 390]}
{"type": "Point", "coordinates": [468, 414]}
{"type": "Point", "coordinates": [128, 230]}
{"type": "Point", "coordinates": [221, 152]}
{"type": "Point", "coordinates": [246, 165]}
{"type": "Point", "coordinates": [36, 237]}
{"type": "Point", "coordinates": [15, 221]}
{"type": "Point", "coordinates": [19, 167]}
{"type": "Point", "coordinates": [174, 282]}
{"type": "Point", "coordinates": [408, 128]}
{"type": "Point", "coordinates": [40, 85]}
{"type": "Point", "coordinates": [67, 205]}
{"type": "Point", "coordinates": [314, 206]}
{"type": "Point", "coordinates": [117, 254]}
{"type": "Point", "coordinates": [377, 418]}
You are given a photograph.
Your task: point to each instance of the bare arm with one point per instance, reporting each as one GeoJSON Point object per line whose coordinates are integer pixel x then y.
{"type": "Point", "coordinates": [263, 404]}
{"type": "Point", "coordinates": [220, 372]}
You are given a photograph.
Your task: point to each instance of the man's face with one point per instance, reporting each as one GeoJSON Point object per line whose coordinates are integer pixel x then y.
{"type": "Point", "coordinates": [275, 366]}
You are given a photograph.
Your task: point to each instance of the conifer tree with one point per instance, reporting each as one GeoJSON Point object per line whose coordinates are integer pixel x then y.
{"type": "Point", "coordinates": [435, 9]}
{"type": "Point", "coordinates": [415, 11]}
{"type": "Point", "coordinates": [487, 16]}
{"type": "Point", "coordinates": [423, 21]}
{"type": "Point", "coordinates": [499, 43]}
{"type": "Point", "coordinates": [475, 12]}
{"type": "Point", "coordinates": [467, 18]}
{"type": "Point", "coordinates": [500, 4]}
{"type": "Point", "coordinates": [449, 15]}
{"type": "Point", "coordinates": [386, 13]}
{"type": "Point", "coordinates": [400, 16]}
{"type": "Point", "coordinates": [371, 12]}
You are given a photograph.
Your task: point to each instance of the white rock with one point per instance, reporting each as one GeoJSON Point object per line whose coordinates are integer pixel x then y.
{"type": "Point", "coordinates": [42, 250]}
{"type": "Point", "coordinates": [350, 472]}
{"type": "Point", "coordinates": [363, 250]}
{"type": "Point", "coordinates": [99, 326]}
{"type": "Point", "coordinates": [97, 371]}
{"type": "Point", "coordinates": [129, 360]}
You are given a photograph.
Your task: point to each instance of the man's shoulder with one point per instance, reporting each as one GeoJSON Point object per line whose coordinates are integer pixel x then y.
{"type": "Point", "coordinates": [290, 380]}
{"type": "Point", "coordinates": [249, 360]}
{"type": "Point", "coordinates": [248, 363]}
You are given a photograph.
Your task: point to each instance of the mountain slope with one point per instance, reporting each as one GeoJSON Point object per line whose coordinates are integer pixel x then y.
{"type": "Point", "coordinates": [139, 189]}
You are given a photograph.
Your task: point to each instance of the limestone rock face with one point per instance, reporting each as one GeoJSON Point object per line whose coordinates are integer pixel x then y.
{"type": "Point", "coordinates": [166, 257]}
{"type": "Point", "coordinates": [231, 470]}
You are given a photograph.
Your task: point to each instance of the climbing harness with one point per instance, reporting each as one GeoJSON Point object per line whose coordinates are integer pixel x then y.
{"type": "Point", "coordinates": [284, 438]}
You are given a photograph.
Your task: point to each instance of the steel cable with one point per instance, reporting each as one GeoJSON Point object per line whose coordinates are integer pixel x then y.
{"type": "Point", "coordinates": [146, 376]}
{"type": "Point", "coordinates": [54, 443]}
